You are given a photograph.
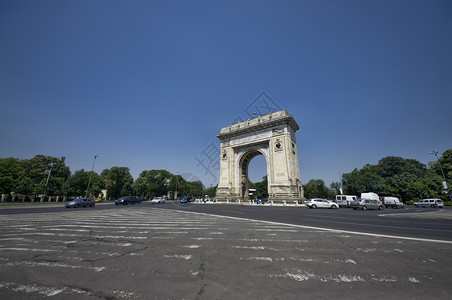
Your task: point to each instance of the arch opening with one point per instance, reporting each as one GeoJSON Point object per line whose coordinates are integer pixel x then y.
{"type": "Point", "coordinates": [244, 172]}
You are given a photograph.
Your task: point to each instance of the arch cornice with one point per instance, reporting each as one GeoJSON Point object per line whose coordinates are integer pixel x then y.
{"type": "Point", "coordinates": [263, 122]}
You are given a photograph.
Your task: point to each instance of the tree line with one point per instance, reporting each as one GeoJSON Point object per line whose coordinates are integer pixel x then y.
{"type": "Point", "coordinates": [46, 175]}
{"type": "Point", "coordinates": [407, 179]}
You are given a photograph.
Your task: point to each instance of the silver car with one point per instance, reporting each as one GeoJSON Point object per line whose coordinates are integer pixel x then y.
{"type": "Point", "coordinates": [366, 204]}
{"type": "Point", "coordinates": [430, 203]}
{"type": "Point", "coordinates": [158, 200]}
{"type": "Point", "coordinates": [321, 203]}
{"type": "Point", "coordinates": [83, 202]}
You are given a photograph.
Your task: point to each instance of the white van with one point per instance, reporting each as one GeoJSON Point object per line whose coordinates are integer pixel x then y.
{"type": "Point", "coordinates": [370, 196]}
{"type": "Point", "coordinates": [345, 200]}
{"type": "Point", "coordinates": [393, 202]}
{"type": "Point", "coordinates": [430, 203]}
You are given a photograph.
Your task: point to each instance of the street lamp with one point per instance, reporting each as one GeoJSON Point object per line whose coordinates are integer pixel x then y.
{"type": "Point", "coordinates": [446, 189]}
{"type": "Point", "coordinates": [177, 181]}
{"type": "Point", "coordinates": [50, 171]}
{"type": "Point", "coordinates": [91, 174]}
{"type": "Point", "coordinates": [340, 182]}
{"type": "Point", "coordinates": [442, 171]}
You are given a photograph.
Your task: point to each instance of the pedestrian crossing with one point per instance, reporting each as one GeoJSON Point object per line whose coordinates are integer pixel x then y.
{"type": "Point", "coordinates": [117, 253]}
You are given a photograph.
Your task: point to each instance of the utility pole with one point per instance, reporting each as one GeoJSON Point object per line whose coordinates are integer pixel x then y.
{"type": "Point", "coordinates": [91, 174]}
{"type": "Point", "coordinates": [446, 188]}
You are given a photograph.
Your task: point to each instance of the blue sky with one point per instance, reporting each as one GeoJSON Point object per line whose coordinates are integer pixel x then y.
{"type": "Point", "coordinates": [149, 84]}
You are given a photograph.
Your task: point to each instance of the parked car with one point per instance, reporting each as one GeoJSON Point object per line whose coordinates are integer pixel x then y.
{"type": "Point", "coordinates": [345, 200]}
{"type": "Point", "coordinates": [321, 203]}
{"type": "Point", "coordinates": [393, 202]}
{"type": "Point", "coordinates": [128, 200]}
{"type": "Point", "coordinates": [187, 199]}
{"type": "Point", "coordinates": [158, 200]}
{"type": "Point", "coordinates": [366, 204]}
{"type": "Point", "coordinates": [430, 203]}
{"type": "Point", "coordinates": [84, 202]}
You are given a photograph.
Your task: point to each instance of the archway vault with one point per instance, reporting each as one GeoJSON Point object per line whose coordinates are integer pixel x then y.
{"type": "Point", "coordinates": [271, 135]}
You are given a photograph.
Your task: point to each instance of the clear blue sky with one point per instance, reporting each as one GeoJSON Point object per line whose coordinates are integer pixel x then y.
{"type": "Point", "coordinates": [149, 84]}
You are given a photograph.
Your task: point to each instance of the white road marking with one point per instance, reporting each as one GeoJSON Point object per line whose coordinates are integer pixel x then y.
{"type": "Point", "coordinates": [28, 249]}
{"type": "Point", "coordinates": [51, 265]}
{"type": "Point", "coordinates": [260, 258]}
{"type": "Point", "coordinates": [328, 229]}
{"type": "Point", "coordinates": [178, 256]}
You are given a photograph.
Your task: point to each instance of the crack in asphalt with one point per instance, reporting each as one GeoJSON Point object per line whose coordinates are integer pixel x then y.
{"type": "Point", "coordinates": [95, 293]}
{"type": "Point", "coordinates": [202, 276]}
{"type": "Point", "coordinates": [117, 256]}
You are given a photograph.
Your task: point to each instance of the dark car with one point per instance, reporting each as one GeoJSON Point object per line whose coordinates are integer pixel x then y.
{"type": "Point", "coordinates": [187, 199]}
{"type": "Point", "coordinates": [128, 200]}
{"type": "Point", "coordinates": [83, 202]}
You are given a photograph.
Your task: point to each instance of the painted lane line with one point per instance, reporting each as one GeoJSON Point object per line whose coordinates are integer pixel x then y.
{"type": "Point", "coordinates": [29, 249]}
{"type": "Point", "coordinates": [51, 265]}
{"type": "Point", "coordinates": [397, 237]}
{"type": "Point", "coordinates": [186, 257]}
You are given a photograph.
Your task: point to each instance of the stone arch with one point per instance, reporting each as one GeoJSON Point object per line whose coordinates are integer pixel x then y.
{"type": "Point", "coordinates": [272, 135]}
{"type": "Point", "coordinates": [243, 160]}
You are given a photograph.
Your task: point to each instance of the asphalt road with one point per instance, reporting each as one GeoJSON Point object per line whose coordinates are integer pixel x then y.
{"type": "Point", "coordinates": [423, 223]}
{"type": "Point", "coordinates": [200, 251]}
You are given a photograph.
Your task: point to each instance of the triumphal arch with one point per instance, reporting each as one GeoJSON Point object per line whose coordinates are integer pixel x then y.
{"type": "Point", "coordinates": [271, 135]}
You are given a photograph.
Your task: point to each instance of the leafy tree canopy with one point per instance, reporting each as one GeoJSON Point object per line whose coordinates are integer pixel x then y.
{"type": "Point", "coordinates": [316, 188]}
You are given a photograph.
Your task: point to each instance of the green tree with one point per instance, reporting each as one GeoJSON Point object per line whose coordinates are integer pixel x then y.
{"type": "Point", "coordinates": [336, 188]}
{"type": "Point", "coordinates": [444, 162]}
{"type": "Point", "coordinates": [316, 188]}
{"type": "Point", "coordinates": [195, 188]}
{"type": "Point", "coordinates": [42, 174]}
{"type": "Point", "coordinates": [118, 181]}
{"type": "Point", "coordinates": [211, 191]}
{"type": "Point", "coordinates": [365, 180]}
{"type": "Point", "coordinates": [9, 174]}
{"type": "Point", "coordinates": [154, 183]}
{"type": "Point", "coordinates": [77, 184]}
{"type": "Point", "coordinates": [261, 188]}
{"type": "Point", "coordinates": [418, 190]}
{"type": "Point", "coordinates": [392, 165]}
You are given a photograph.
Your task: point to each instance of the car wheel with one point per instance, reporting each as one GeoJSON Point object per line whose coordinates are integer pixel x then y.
{"type": "Point", "coordinates": [314, 206]}
{"type": "Point", "coordinates": [333, 206]}
{"type": "Point", "coordinates": [416, 205]}
{"type": "Point", "coordinates": [354, 208]}
{"type": "Point", "coordinates": [75, 206]}
{"type": "Point", "coordinates": [364, 207]}
{"type": "Point", "coordinates": [92, 205]}
{"type": "Point", "coordinates": [381, 207]}
{"type": "Point", "coordinates": [116, 203]}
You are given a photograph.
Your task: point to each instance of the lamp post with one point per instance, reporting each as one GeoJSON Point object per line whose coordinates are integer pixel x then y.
{"type": "Point", "coordinates": [442, 171]}
{"type": "Point", "coordinates": [177, 181]}
{"type": "Point", "coordinates": [446, 189]}
{"type": "Point", "coordinates": [91, 174]}
{"type": "Point", "coordinates": [50, 171]}
{"type": "Point", "coordinates": [340, 182]}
